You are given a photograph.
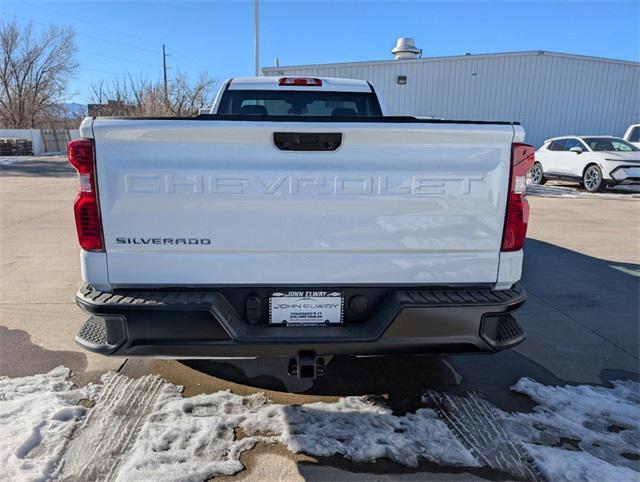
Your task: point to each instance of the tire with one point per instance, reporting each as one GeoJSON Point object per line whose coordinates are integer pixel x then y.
{"type": "Point", "coordinates": [592, 179]}
{"type": "Point", "coordinates": [537, 174]}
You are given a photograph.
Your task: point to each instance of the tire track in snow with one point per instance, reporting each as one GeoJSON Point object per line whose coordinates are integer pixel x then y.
{"type": "Point", "coordinates": [476, 424]}
{"type": "Point", "coordinates": [110, 428]}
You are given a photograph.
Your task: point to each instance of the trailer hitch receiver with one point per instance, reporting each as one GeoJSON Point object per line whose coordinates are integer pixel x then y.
{"type": "Point", "coordinates": [306, 366]}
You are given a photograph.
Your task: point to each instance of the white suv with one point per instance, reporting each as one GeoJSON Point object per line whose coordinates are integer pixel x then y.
{"type": "Point", "coordinates": [633, 135]}
{"type": "Point", "coordinates": [594, 161]}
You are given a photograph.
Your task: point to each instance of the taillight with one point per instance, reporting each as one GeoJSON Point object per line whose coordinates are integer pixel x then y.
{"type": "Point", "coordinates": [300, 82]}
{"type": "Point", "coordinates": [517, 214]}
{"type": "Point", "coordinates": [88, 224]}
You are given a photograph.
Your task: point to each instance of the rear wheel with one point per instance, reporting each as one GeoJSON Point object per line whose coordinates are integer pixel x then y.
{"type": "Point", "coordinates": [592, 179]}
{"type": "Point", "coordinates": [537, 175]}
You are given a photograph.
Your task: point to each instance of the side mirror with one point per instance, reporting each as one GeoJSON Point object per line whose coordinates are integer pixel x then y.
{"type": "Point", "coordinates": [576, 149]}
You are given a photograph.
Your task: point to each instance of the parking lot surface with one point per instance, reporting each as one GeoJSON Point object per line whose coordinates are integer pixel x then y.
{"type": "Point", "coordinates": [582, 317]}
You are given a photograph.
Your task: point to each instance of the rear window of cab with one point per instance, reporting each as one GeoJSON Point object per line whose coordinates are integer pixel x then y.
{"type": "Point", "coordinates": [299, 103]}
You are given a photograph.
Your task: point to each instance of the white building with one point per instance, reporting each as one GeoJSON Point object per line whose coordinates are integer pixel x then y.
{"type": "Point", "coordinates": [550, 93]}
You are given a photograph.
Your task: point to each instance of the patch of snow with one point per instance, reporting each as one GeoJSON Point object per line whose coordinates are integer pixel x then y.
{"type": "Point", "coordinates": [195, 438]}
{"type": "Point", "coordinates": [599, 421]}
{"type": "Point", "coordinates": [551, 191]}
{"type": "Point", "coordinates": [361, 430]}
{"type": "Point", "coordinates": [111, 427]}
{"type": "Point", "coordinates": [574, 433]}
{"type": "Point", "coordinates": [561, 465]}
{"type": "Point", "coordinates": [8, 160]}
{"type": "Point", "coordinates": [37, 417]}
{"type": "Point", "coordinates": [623, 191]}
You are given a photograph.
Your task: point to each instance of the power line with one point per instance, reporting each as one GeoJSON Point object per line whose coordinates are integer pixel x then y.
{"type": "Point", "coordinates": [83, 20]}
{"type": "Point", "coordinates": [101, 71]}
{"type": "Point", "coordinates": [122, 44]}
{"type": "Point", "coordinates": [120, 32]}
{"type": "Point", "coordinates": [117, 43]}
{"type": "Point", "coordinates": [187, 67]}
{"type": "Point", "coordinates": [117, 58]}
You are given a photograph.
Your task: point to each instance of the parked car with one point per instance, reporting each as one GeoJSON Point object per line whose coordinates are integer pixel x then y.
{"type": "Point", "coordinates": [297, 220]}
{"type": "Point", "coordinates": [632, 135]}
{"type": "Point", "coordinates": [593, 161]}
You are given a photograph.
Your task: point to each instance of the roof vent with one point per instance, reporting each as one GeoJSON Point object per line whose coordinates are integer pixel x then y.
{"type": "Point", "coordinates": [406, 49]}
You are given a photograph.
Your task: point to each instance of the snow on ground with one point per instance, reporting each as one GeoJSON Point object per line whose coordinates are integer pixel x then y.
{"type": "Point", "coordinates": [578, 432]}
{"type": "Point", "coordinates": [575, 432]}
{"type": "Point", "coordinates": [37, 417]}
{"type": "Point", "coordinates": [553, 189]}
{"type": "Point", "coordinates": [195, 438]}
{"type": "Point", "coordinates": [570, 466]}
{"type": "Point", "coordinates": [8, 160]}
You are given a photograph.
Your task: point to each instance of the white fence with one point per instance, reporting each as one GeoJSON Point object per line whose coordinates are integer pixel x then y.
{"type": "Point", "coordinates": [37, 139]}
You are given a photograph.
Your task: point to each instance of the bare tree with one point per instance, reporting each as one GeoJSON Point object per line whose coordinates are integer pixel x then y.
{"type": "Point", "coordinates": [187, 97]}
{"type": "Point", "coordinates": [35, 71]}
{"type": "Point", "coordinates": [140, 97]}
{"type": "Point", "coordinates": [113, 98]}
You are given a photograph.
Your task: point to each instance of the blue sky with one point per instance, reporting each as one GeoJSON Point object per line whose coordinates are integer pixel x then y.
{"type": "Point", "coordinates": [116, 38]}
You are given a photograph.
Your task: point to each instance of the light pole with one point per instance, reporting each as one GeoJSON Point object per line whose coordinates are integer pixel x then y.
{"type": "Point", "coordinates": [256, 37]}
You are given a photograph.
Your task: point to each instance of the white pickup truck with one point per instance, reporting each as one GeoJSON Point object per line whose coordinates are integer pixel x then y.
{"type": "Point", "coordinates": [298, 220]}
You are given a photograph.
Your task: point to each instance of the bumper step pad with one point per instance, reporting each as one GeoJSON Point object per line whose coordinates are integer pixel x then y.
{"type": "Point", "coordinates": [102, 334]}
{"type": "Point", "coordinates": [509, 330]}
{"type": "Point", "coordinates": [94, 332]}
{"type": "Point", "coordinates": [502, 330]}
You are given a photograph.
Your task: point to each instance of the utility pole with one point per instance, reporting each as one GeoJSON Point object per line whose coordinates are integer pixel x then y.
{"type": "Point", "coordinates": [164, 70]}
{"type": "Point", "coordinates": [256, 37]}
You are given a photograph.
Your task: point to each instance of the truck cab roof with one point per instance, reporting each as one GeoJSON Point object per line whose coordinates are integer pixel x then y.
{"type": "Point", "coordinates": [315, 83]}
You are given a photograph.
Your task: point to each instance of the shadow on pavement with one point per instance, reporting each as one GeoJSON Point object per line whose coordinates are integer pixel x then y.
{"type": "Point", "coordinates": [568, 189]}
{"type": "Point", "coordinates": [38, 167]}
{"type": "Point", "coordinates": [20, 357]}
{"type": "Point", "coordinates": [600, 296]}
{"type": "Point", "coordinates": [582, 313]}
{"type": "Point", "coordinates": [400, 380]}
{"type": "Point", "coordinates": [386, 470]}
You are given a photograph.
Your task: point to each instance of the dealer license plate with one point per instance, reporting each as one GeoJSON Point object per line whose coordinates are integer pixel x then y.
{"type": "Point", "coordinates": [308, 308]}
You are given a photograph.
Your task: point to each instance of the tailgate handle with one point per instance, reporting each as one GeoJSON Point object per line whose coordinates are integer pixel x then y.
{"type": "Point", "coordinates": [307, 141]}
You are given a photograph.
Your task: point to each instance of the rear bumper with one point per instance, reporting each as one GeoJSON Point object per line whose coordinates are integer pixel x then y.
{"type": "Point", "coordinates": [203, 324]}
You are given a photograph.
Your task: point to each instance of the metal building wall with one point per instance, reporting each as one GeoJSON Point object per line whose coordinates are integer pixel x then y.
{"type": "Point", "coordinates": [550, 93]}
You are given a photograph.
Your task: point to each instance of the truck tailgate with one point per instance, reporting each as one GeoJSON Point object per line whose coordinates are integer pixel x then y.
{"type": "Point", "coordinates": [215, 202]}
